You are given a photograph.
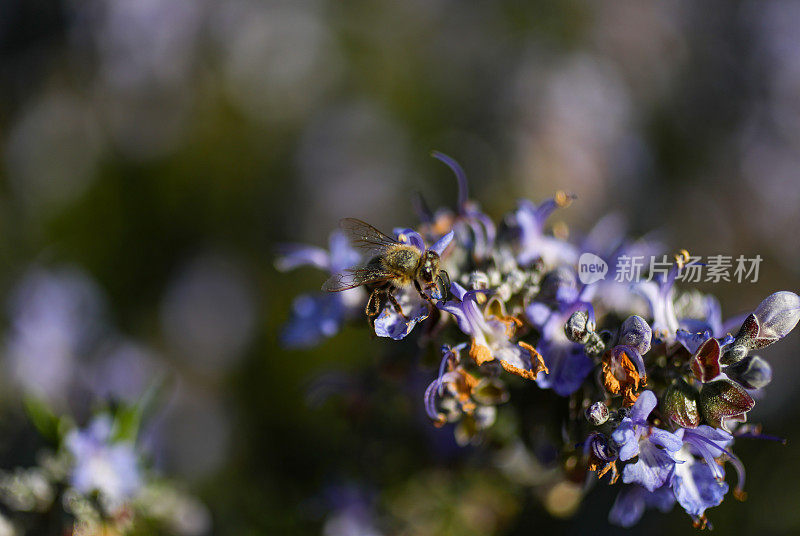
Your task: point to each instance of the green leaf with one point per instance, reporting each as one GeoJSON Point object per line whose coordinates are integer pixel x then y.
{"type": "Point", "coordinates": [43, 418]}
{"type": "Point", "coordinates": [128, 419]}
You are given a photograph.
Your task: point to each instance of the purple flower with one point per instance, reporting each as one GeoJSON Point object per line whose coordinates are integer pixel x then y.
{"type": "Point", "coordinates": [690, 332]}
{"type": "Point", "coordinates": [340, 255]}
{"type": "Point", "coordinates": [660, 295]}
{"type": "Point", "coordinates": [697, 485]}
{"type": "Point", "coordinates": [476, 232]}
{"type": "Point", "coordinates": [566, 361]}
{"type": "Point", "coordinates": [451, 363]}
{"type": "Point", "coordinates": [632, 501]}
{"type": "Point", "coordinates": [491, 333]}
{"type": "Point", "coordinates": [461, 400]}
{"type": "Point", "coordinates": [692, 340]}
{"type": "Point", "coordinates": [710, 443]}
{"type": "Point", "coordinates": [390, 324]}
{"type": "Point", "coordinates": [410, 237]}
{"type": "Point", "coordinates": [101, 465]}
{"type": "Point", "coordinates": [607, 240]}
{"type": "Point", "coordinates": [711, 320]}
{"type": "Point", "coordinates": [413, 238]}
{"type": "Point", "coordinates": [317, 316]}
{"type": "Point", "coordinates": [654, 447]}
{"type": "Point", "coordinates": [623, 367]}
{"type": "Point", "coordinates": [463, 397]}
{"type": "Point", "coordinates": [519, 283]}
{"type": "Point", "coordinates": [533, 243]}
{"type": "Point", "coordinates": [693, 332]}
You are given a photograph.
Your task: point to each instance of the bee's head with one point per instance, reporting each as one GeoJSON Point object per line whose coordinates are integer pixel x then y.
{"type": "Point", "coordinates": [429, 267]}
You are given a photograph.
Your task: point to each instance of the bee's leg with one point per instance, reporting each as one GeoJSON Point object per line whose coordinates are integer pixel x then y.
{"type": "Point", "coordinates": [423, 295]}
{"type": "Point", "coordinates": [443, 284]}
{"type": "Point", "coordinates": [396, 305]}
{"type": "Point", "coordinates": [371, 321]}
{"type": "Point", "coordinates": [373, 308]}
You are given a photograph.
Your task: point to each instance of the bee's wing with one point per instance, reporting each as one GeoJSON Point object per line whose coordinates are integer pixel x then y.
{"type": "Point", "coordinates": [354, 277]}
{"type": "Point", "coordinates": [365, 236]}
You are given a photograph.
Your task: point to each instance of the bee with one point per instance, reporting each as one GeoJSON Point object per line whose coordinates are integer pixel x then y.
{"type": "Point", "coordinates": [393, 265]}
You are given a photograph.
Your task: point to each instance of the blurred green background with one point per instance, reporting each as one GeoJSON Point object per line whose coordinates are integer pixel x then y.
{"type": "Point", "coordinates": [156, 151]}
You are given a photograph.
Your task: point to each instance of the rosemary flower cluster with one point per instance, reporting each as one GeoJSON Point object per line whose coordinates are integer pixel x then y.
{"type": "Point", "coordinates": [651, 399]}
{"type": "Point", "coordinates": [94, 480]}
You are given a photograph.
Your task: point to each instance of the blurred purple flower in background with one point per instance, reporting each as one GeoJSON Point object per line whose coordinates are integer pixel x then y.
{"type": "Point", "coordinates": [351, 513]}
{"type": "Point", "coordinates": [53, 152]}
{"type": "Point", "coordinates": [123, 369]}
{"type": "Point", "coordinates": [55, 318]}
{"type": "Point", "coordinates": [632, 500]}
{"type": "Point", "coordinates": [208, 312]}
{"type": "Point", "coordinates": [318, 316]}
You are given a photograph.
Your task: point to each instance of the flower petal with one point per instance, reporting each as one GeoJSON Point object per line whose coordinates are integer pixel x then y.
{"type": "Point", "coordinates": [629, 506]}
{"type": "Point", "coordinates": [390, 324]}
{"type": "Point", "coordinates": [440, 245]}
{"type": "Point", "coordinates": [651, 470]}
{"type": "Point", "coordinates": [643, 407]}
{"type": "Point", "coordinates": [627, 439]}
{"type": "Point", "coordinates": [696, 487]}
{"type": "Point", "coordinates": [668, 440]}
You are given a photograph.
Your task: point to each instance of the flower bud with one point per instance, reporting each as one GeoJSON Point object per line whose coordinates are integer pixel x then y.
{"type": "Point", "coordinates": [772, 320]}
{"type": "Point", "coordinates": [597, 413]}
{"type": "Point", "coordinates": [752, 372]}
{"type": "Point", "coordinates": [778, 314]}
{"type": "Point", "coordinates": [680, 404]}
{"type": "Point", "coordinates": [579, 327]}
{"type": "Point", "coordinates": [636, 332]}
{"type": "Point", "coordinates": [595, 345]}
{"type": "Point", "coordinates": [602, 449]}
{"type": "Point", "coordinates": [705, 361]}
{"type": "Point", "coordinates": [734, 354]}
{"type": "Point", "coordinates": [723, 399]}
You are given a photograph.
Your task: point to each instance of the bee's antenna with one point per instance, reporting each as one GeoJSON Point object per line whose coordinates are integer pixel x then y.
{"type": "Point", "coordinates": [461, 177]}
